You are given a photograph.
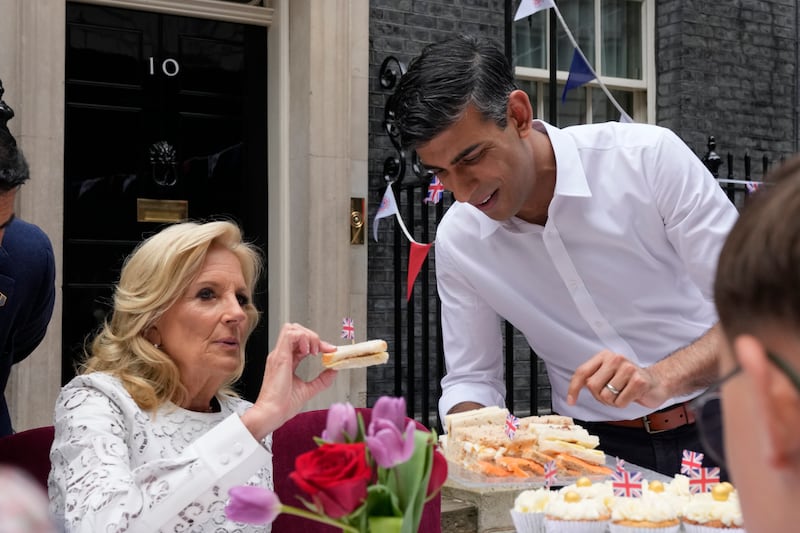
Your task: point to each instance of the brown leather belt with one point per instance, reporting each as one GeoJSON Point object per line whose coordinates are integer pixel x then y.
{"type": "Point", "coordinates": [670, 418]}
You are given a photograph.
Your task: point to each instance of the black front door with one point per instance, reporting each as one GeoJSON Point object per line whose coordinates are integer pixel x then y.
{"type": "Point", "coordinates": [165, 120]}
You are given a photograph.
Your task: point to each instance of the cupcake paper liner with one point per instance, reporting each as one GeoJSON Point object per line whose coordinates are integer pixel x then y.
{"type": "Point", "coordinates": [698, 528]}
{"type": "Point", "coordinates": [615, 528]}
{"type": "Point", "coordinates": [575, 526]}
{"type": "Point", "coordinates": [528, 522]}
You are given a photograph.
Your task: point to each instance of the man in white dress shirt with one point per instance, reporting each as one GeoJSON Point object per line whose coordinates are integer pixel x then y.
{"type": "Point", "coordinates": [597, 242]}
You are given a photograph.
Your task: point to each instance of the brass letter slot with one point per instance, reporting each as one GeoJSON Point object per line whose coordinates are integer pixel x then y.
{"type": "Point", "coordinates": [150, 210]}
{"type": "Point", "coordinates": [357, 221]}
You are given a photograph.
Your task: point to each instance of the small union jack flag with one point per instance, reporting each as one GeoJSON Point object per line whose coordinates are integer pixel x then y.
{"type": "Point", "coordinates": [703, 480]}
{"type": "Point", "coordinates": [348, 329]}
{"type": "Point", "coordinates": [620, 466]}
{"type": "Point", "coordinates": [435, 191]}
{"type": "Point", "coordinates": [691, 462]}
{"type": "Point", "coordinates": [550, 470]}
{"type": "Point", "coordinates": [512, 425]}
{"type": "Point", "coordinates": [751, 186]}
{"type": "Point", "coordinates": [626, 484]}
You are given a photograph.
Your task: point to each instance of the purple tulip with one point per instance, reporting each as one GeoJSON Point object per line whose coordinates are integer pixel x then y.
{"type": "Point", "coordinates": [252, 505]}
{"type": "Point", "coordinates": [388, 445]}
{"type": "Point", "coordinates": [390, 437]}
{"type": "Point", "coordinates": [392, 410]}
{"type": "Point", "coordinates": [341, 424]}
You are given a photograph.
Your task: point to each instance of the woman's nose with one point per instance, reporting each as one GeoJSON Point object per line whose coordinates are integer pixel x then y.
{"type": "Point", "coordinates": [233, 310]}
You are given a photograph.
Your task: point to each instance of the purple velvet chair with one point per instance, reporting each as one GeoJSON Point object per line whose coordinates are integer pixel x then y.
{"type": "Point", "coordinates": [30, 451]}
{"type": "Point", "coordinates": [296, 436]}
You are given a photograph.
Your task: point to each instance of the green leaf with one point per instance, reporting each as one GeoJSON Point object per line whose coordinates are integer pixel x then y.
{"type": "Point", "coordinates": [382, 502]}
{"type": "Point", "coordinates": [386, 524]}
{"type": "Point", "coordinates": [409, 480]}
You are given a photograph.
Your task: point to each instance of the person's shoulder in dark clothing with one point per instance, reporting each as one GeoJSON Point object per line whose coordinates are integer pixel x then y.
{"type": "Point", "coordinates": [27, 271]}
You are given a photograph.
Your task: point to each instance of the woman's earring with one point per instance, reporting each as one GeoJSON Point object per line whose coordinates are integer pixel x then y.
{"type": "Point", "coordinates": [156, 345]}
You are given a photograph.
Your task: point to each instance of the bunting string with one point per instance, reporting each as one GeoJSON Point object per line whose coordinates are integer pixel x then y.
{"type": "Point", "coordinates": [624, 117]}
{"type": "Point", "coordinates": [581, 72]}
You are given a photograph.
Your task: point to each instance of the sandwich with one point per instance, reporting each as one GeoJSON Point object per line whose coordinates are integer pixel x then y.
{"type": "Point", "coordinates": [358, 355]}
{"type": "Point", "coordinates": [485, 416]}
{"type": "Point", "coordinates": [477, 440]}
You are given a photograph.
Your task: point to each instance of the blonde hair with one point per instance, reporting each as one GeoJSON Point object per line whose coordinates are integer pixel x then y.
{"type": "Point", "coordinates": [153, 277]}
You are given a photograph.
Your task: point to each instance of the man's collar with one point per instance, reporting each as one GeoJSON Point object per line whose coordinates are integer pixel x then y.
{"type": "Point", "coordinates": [570, 177]}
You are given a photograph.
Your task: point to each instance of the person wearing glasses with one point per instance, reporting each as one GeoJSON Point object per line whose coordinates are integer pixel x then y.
{"type": "Point", "coordinates": [597, 242]}
{"type": "Point", "coordinates": [27, 268]}
{"type": "Point", "coordinates": [757, 294]}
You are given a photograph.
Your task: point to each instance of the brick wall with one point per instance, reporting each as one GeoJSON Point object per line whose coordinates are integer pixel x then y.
{"type": "Point", "coordinates": [725, 69]}
{"type": "Point", "coordinates": [729, 69]}
{"type": "Point", "coordinates": [401, 28]}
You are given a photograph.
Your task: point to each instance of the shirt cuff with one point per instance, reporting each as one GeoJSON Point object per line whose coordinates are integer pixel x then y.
{"type": "Point", "coordinates": [230, 446]}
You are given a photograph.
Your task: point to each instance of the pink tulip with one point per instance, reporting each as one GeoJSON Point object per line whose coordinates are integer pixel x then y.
{"type": "Point", "coordinates": [341, 423]}
{"type": "Point", "coordinates": [252, 505]}
{"type": "Point", "coordinates": [390, 437]}
{"type": "Point", "coordinates": [388, 445]}
{"type": "Point", "coordinates": [392, 410]}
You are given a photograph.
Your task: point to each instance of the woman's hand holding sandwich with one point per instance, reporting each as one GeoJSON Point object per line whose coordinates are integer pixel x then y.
{"type": "Point", "coordinates": [283, 393]}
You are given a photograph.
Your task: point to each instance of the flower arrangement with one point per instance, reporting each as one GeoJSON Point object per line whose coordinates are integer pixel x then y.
{"type": "Point", "coordinates": [376, 480]}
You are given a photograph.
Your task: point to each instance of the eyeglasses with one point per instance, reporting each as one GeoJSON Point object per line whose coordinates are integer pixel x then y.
{"type": "Point", "coordinates": [707, 410]}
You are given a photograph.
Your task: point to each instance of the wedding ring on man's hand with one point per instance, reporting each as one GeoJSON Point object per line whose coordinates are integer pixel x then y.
{"type": "Point", "coordinates": [615, 391]}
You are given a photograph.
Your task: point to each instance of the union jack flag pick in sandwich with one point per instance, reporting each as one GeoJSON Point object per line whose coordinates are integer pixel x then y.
{"type": "Point", "coordinates": [550, 470]}
{"type": "Point", "coordinates": [348, 329]}
{"type": "Point", "coordinates": [512, 425]}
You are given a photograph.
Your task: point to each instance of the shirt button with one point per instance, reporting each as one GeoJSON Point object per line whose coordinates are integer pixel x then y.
{"type": "Point", "coordinates": [225, 459]}
{"type": "Point", "coordinates": [238, 448]}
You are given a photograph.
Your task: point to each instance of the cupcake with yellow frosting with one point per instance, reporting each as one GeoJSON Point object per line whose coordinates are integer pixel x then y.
{"type": "Point", "coordinates": [528, 511]}
{"type": "Point", "coordinates": [569, 512]}
{"type": "Point", "coordinates": [714, 512]}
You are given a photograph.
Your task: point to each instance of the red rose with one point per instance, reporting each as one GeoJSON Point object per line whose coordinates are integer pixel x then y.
{"type": "Point", "coordinates": [335, 476]}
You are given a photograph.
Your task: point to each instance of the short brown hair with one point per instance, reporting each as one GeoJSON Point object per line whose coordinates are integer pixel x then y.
{"type": "Point", "coordinates": [757, 283]}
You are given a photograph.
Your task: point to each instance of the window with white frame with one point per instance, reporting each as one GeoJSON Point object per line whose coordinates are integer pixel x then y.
{"type": "Point", "coordinates": [615, 36]}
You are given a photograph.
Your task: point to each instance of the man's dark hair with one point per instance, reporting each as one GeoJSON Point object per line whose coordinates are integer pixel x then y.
{"type": "Point", "coordinates": [758, 274]}
{"type": "Point", "coordinates": [443, 80]}
{"type": "Point", "coordinates": [13, 167]}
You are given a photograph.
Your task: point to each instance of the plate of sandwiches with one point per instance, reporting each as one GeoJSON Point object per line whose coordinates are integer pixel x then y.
{"type": "Point", "coordinates": [489, 448]}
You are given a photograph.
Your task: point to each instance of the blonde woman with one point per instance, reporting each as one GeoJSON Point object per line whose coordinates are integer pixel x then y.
{"type": "Point", "coordinates": [150, 435]}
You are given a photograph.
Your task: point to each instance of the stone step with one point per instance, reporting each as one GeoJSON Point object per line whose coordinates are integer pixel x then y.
{"type": "Point", "coordinates": [458, 516]}
{"type": "Point", "coordinates": [479, 510]}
